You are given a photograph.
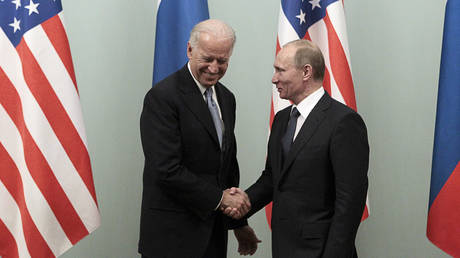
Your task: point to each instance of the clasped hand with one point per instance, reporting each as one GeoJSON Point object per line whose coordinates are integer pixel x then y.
{"type": "Point", "coordinates": [235, 203]}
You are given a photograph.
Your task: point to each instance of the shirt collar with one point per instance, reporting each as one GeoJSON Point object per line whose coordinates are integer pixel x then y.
{"type": "Point", "coordinates": [307, 104]}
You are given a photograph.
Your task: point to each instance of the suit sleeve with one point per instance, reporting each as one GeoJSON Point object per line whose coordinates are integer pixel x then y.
{"type": "Point", "coordinates": [261, 192]}
{"type": "Point", "coordinates": [161, 141]}
{"type": "Point", "coordinates": [349, 152]}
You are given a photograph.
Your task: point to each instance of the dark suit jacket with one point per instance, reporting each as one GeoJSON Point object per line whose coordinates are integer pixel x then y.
{"type": "Point", "coordinates": [319, 191]}
{"type": "Point", "coordinates": [185, 168]}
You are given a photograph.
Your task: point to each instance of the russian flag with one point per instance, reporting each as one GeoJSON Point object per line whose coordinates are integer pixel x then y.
{"type": "Point", "coordinates": [443, 228]}
{"type": "Point", "coordinates": [175, 20]}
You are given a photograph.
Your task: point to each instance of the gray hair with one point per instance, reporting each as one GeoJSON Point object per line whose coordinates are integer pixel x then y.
{"type": "Point", "coordinates": [308, 53]}
{"type": "Point", "coordinates": [214, 27]}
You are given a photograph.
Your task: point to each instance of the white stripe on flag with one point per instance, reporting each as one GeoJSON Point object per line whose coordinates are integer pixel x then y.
{"type": "Point", "coordinates": [11, 217]}
{"type": "Point", "coordinates": [61, 17]}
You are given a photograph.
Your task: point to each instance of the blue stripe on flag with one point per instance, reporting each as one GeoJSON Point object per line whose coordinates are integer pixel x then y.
{"type": "Point", "coordinates": [446, 153]}
{"type": "Point", "coordinates": [175, 20]}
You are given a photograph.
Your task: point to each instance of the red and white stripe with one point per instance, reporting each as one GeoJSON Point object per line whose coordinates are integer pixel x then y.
{"type": "Point", "coordinates": [330, 35]}
{"type": "Point", "coordinates": [47, 196]}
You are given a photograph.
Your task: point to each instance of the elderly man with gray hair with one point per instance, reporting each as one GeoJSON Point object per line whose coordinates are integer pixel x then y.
{"type": "Point", "coordinates": [187, 132]}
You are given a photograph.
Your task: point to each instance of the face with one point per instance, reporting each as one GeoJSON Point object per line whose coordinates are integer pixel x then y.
{"type": "Point", "coordinates": [288, 79]}
{"type": "Point", "coordinates": [209, 58]}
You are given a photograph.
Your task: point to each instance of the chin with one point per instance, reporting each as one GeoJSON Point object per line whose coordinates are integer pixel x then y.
{"type": "Point", "coordinates": [210, 83]}
{"type": "Point", "coordinates": [206, 83]}
{"type": "Point", "coordinates": [284, 97]}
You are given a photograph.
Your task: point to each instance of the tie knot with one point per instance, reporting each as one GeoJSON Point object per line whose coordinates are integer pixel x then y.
{"type": "Point", "coordinates": [208, 92]}
{"type": "Point", "coordinates": [295, 113]}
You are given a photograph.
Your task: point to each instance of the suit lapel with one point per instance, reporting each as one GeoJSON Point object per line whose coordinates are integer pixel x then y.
{"type": "Point", "coordinates": [225, 110]}
{"type": "Point", "coordinates": [195, 102]}
{"type": "Point", "coordinates": [224, 107]}
{"type": "Point", "coordinates": [277, 132]}
{"type": "Point", "coordinates": [307, 130]}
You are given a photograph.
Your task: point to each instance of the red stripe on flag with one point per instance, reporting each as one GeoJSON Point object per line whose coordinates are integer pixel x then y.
{"type": "Point", "coordinates": [268, 213]}
{"type": "Point", "coordinates": [365, 213]}
{"type": "Point", "coordinates": [443, 228]}
{"type": "Point", "coordinates": [36, 245]}
{"type": "Point", "coordinates": [339, 65]}
{"type": "Point", "coordinates": [278, 46]}
{"type": "Point", "coordinates": [8, 247]}
{"type": "Point", "coordinates": [39, 168]}
{"type": "Point", "coordinates": [57, 116]}
{"type": "Point", "coordinates": [54, 29]}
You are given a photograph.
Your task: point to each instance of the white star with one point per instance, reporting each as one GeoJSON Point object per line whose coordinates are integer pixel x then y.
{"type": "Point", "coordinates": [32, 7]}
{"type": "Point", "coordinates": [314, 3]}
{"type": "Point", "coordinates": [15, 25]}
{"type": "Point", "coordinates": [301, 17]}
{"type": "Point", "coordinates": [17, 3]}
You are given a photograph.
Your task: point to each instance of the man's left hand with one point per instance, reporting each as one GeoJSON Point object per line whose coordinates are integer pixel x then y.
{"type": "Point", "coordinates": [247, 240]}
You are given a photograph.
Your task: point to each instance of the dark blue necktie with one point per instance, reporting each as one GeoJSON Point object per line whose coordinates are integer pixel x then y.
{"type": "Point", "coordinates": [215, 114]}
{"type": "Point", "coordinates": [288, 137]}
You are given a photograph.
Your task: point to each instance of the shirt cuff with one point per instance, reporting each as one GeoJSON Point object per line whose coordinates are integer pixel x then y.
{"type": "Point", "coordinates": [218, 205]}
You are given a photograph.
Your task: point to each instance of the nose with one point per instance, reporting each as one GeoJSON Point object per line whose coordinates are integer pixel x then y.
{"type": "Point", "coordinates": [213, 67]}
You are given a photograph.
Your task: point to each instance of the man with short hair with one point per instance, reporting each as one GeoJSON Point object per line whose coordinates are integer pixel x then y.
{"type": "Point", "coordinates": [317, 162]}
{"type": "Point", "coordinates": [187, 132]}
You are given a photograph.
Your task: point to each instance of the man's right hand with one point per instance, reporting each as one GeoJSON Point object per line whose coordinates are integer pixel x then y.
{"type": "Point", "coordinates": [235, 203]}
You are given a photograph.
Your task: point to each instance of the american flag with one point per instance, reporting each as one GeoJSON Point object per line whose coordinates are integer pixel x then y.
{"type": "Point", "coordinates": [47, 196]}
{"type": "Point", "coordinates": [323, 22]}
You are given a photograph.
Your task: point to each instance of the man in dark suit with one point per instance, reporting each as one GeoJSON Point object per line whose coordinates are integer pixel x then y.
{"type": "Point", "coordinates": [187, 131]}
{"type": "Point", "coordinates": [316, 169]}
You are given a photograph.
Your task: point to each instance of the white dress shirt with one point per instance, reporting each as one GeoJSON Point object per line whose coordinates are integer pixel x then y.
{"type": "Point", "coordinates": [203, 89]}
{"type": "Point", "coordinates": [305, 107]}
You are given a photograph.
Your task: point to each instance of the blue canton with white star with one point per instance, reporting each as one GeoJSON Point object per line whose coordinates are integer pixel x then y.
{"type": "Point", "coordinates": [301, 14]}
{"type": "Point", "coordinates": [19, 16]}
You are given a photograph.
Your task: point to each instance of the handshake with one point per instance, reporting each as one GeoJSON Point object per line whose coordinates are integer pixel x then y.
{"type": "Point", "coordinates": [235, 203]}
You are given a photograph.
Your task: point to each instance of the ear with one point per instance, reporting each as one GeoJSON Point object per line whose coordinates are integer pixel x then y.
{"type": "Point", "coordinates": [307, 72]}
{"type": "Point", "coordinates": [189, 50]}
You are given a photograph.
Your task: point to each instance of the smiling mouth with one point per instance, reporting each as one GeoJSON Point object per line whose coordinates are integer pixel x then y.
{"type": "Point", "coordinates": [212, 75]}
